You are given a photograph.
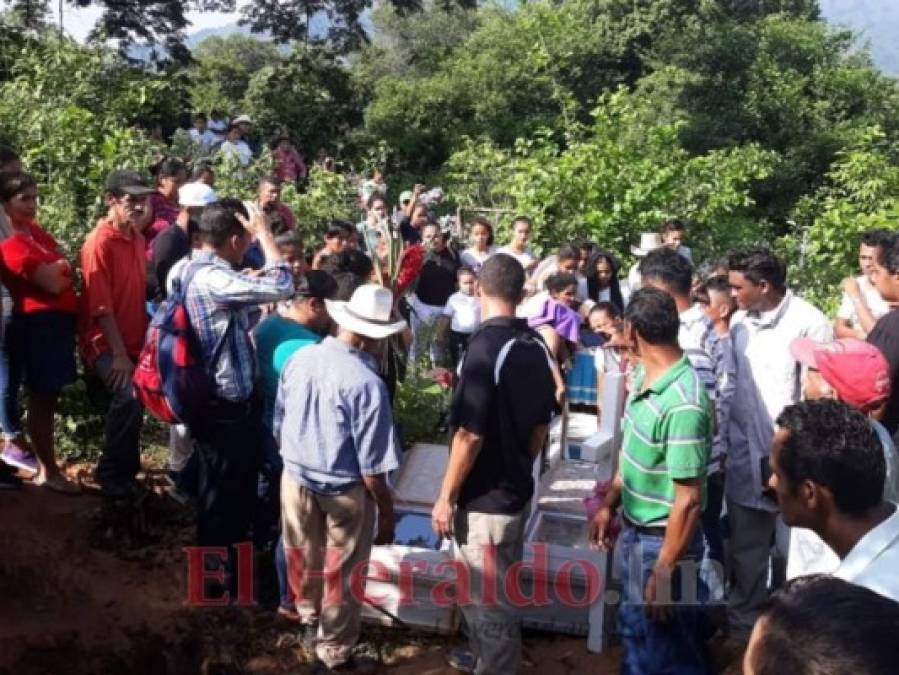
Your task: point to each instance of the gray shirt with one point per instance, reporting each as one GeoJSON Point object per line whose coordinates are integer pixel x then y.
{"type": "Point", "coordinates": [767, 379]}
{"type": "Point", "coordinates": [333, 418]}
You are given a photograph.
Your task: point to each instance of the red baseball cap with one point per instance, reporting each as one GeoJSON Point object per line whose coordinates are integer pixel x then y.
{"type": "Point", "coordinates": [857, 370]}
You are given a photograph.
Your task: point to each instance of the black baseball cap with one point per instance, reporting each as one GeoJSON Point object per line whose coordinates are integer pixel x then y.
{"type": "Point", "coordinates": [315, 284]}
{"type": "Point", "coordinates": [125, 181]}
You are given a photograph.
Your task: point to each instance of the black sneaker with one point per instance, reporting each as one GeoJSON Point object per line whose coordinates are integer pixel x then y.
{"type": "Point", "coordinates": [8, 478]}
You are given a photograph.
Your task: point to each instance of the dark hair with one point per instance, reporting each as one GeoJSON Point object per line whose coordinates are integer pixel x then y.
{"type": "Point", "coordinates": [12, 184]}
{"type": "Point", "coordinates": [338, 228]}
{"type": "Point", "coordinates": [289, 238]}
{"type": "Point", "coordinates": [568, 252]}
{"type": "Point", "coordinates": [465, 269]}
{"type": "Point", "coordinates": [888, 254]}
{"type": "Point", "coordinates": [586, 245]}
{"type": "Point", "coordinates": [606, 307]}
{"type": "Point", "coordinates": [672, 225]}
{"type": "Point", "coordinates": [218, 222]}
{"type": "Point", "coordinates": [593, 288]}
{"type": "Point", "coordinates": [522, 219]}
{"type": "Point", "coordinates": [823, 625]}
{"type": "Point", "coordinates": [654, 316]}
{"type": "Point", "coordinates": [168, 167]}
{"type": "Point", "coordinates": [757, 265]}
{"type": "Point", "coordinates": [269, 180]}
{"type": "Point", "coordinates": [670, 268]}
{"type": "Point", "coordinates": [315, 284]}
{"type": "Point", "coordinates": [199, 168]}
{"type": "Point", "coordinates": [878, 238]}
{"type": "Point", "coordinates": [349, 261]}
{"type": "Point", "coordinates": [719, 284]}
{"type": "Point", "coordinates": [200, 116]}
{"type": "Point", "coordinates": [375, 197]}
{"type": "Point", "coordinates": [502, 276]}
{"type": "Point", "coordinates": [559, 281]}
{"type": "Point", "coordinates": [708, 268]}
{"type": "Point", "coordinates": [483, 222]}
{"type": "Point", "coordinates": [7, 154]}
{"type": "Point", "coordinates": [834, 445]}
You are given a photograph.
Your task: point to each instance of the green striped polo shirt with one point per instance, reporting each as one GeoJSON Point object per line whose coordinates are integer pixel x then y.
{"type": "Point", "coordinates": [667, 436]}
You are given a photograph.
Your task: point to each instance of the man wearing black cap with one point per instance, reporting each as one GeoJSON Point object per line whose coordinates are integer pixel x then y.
{"type": "Point", "coordinates": [114, 322]}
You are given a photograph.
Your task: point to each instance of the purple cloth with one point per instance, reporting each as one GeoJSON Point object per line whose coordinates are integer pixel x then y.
{"type": "Point", "coordinates": [565, 320]}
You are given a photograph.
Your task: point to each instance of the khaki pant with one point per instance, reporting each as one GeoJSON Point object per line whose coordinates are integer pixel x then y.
{"type": "Point", "coordinates": [494, 628]}
{"type": "Point", "coordinates": [331, 534]}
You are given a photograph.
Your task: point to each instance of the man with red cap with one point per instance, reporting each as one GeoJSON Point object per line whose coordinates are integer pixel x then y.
{"type": "Point", "coordinates": [857, 373]}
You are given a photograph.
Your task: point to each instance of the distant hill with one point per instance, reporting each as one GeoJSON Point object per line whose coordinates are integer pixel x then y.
{"type": "Point", "coordinates": [876, 22]}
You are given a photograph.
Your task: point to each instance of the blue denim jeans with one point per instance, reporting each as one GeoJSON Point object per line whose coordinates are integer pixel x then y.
{"type": "Point", "coordinates": [10, 417]}
{"type": "Point", "coordinates": [676, 646]}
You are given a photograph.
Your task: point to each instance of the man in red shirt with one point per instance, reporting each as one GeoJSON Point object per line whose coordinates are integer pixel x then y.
{"type": "Point", "coordinates": [114, 323]}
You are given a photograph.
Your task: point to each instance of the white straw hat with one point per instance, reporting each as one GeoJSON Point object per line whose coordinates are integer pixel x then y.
{"type": "Point", "coordinates": [649, 241]}
{"type": "Point", "coordinates": [367, 313]}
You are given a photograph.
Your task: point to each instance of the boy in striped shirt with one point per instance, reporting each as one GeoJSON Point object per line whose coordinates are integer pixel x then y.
{"type": "Point", "coordinates": [660, 486]}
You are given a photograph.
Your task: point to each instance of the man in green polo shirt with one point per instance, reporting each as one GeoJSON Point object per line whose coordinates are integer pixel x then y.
{"type": "Point", "coordinates": [660, 486]}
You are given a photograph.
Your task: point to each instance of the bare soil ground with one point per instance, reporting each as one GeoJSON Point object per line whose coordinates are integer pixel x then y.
{"type": "Point", "coordinates": [90, 588]}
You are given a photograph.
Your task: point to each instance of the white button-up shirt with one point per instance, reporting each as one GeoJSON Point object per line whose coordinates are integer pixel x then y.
{"type": "Point", "coordinates": [874, 561]}
{"type": "Point", "coordinates": [767, 380]}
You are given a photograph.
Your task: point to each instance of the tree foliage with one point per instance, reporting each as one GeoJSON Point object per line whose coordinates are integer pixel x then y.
{"type": "Point", "coordinates": [619, 177]}
{"type": "Point", "coordinates": [73, 113]}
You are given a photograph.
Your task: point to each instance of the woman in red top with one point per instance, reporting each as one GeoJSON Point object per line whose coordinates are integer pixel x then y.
{"type": "Point", "coordinates": [42, 331]}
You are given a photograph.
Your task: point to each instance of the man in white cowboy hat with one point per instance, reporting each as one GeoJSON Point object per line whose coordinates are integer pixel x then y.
{"type": "Point", "coordinates": [649, 241]}
{"type": "Point", "coordinates": [335, 427]}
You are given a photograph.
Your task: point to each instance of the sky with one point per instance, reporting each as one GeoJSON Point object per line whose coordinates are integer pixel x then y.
{"type": "Point", "coordinates": [78, 21]}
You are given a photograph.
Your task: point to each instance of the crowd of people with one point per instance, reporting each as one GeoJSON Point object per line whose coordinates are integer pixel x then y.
{"type": "Point", "coordinates": [751, 418]}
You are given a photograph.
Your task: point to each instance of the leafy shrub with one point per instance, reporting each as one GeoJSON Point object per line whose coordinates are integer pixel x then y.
{"type": "Point", "coordinates": [621, 176]}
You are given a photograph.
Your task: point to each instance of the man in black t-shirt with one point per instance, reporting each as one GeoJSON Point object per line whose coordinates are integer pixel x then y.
{"type": "Point", "coordinates": [500, 416]}
{"type": "Point", "coordinates": [885, 334]}
{"type": "Point", "coordinates": [435, 284]}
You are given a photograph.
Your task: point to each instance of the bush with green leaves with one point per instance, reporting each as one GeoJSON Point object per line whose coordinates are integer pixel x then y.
{"type": "Point", "coordinates": [622, 176]}
{"type": "Point", "coordinates": [72, 112]}
{"type": "Point", "coordinates": [862, 193]}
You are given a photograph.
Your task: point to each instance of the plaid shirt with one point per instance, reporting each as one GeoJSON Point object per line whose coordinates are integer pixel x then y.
{"type": "Point", "coordinates": [219, 293]}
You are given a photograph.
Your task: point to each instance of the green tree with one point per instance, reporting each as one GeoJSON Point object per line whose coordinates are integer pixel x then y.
{"type": "Point", "coordinates": [791, 84]}
{"type": "Point", "coordinates": [72, 112]}
{"type": "Point", "coordinates": [223, 68]}
{"type": "Point", "coordinates": [309, 92]}
{"type": "Point", "coordinates": [29, 14]}
{"type": "Point", "coordinates": [619, 177]}
{"type": "Point", "coordinates": [861, 192]}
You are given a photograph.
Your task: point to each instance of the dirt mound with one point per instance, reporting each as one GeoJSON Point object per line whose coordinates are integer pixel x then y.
{"type": "Point", "coordinates": [92, 588]}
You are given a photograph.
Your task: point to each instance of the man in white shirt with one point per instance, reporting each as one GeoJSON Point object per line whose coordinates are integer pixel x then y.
{"type": "Point", "coordinates": [862, 304]}
{"type": "Point", "coordinates": [825, 458]}
{"type": "Point", "coordinates": [767, 380]}
{"type": "Point", "coordinates": [235, 146]}
{"type": "Point", "coordinates": [201, 135]}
